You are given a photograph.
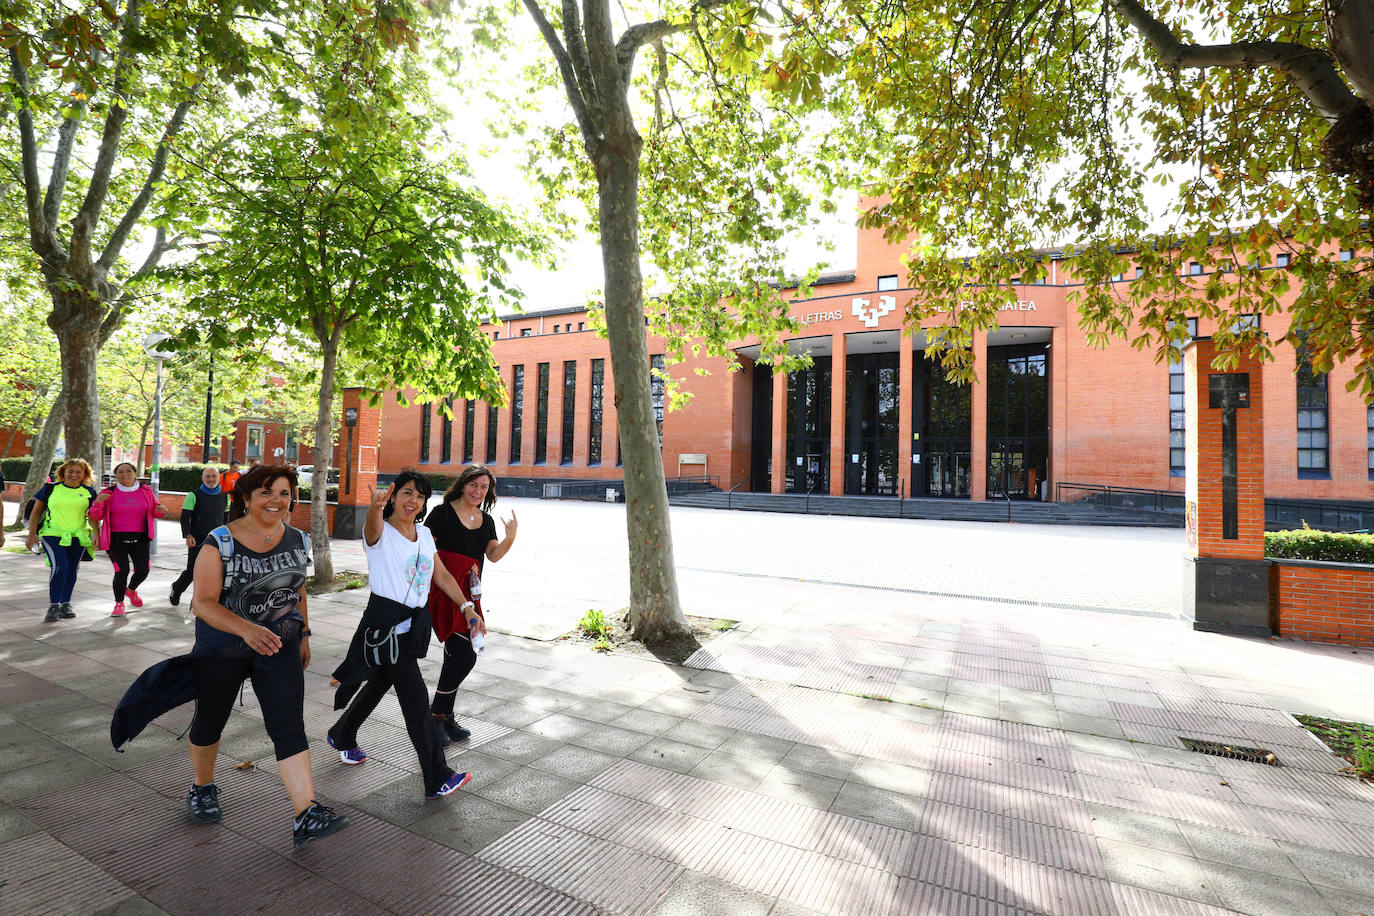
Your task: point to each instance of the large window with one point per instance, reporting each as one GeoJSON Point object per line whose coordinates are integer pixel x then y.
{"type": "Point", "coordinates": [569, 410]}
{"type": "Point", "coordinates": [1178, 416]}
{"type": "Point", "coordinates": [426, 411]}
{"type": "Point", "coordinates": [657, 365]}
{"type": "Point", "coordinates": [254, 447]}
{"type": "Point", "coordinates": [948, 433]}
{"type": "Point", "coordinates": [594, 414]}
{"type": "Point", "coordinates": [491, 433]}
{"type": "Point", "coordinates": [1312, 419]}
{"type": "Point", "coordinates": [808, 428]}
{"type": "Point", "coordinates": [446, 434]}
{"type": "Point", "coordinates": [1370, 440]}
{"type": "Point", "coordinates": [517, 412]}
{"type": "Point", "coordinates": [469, 414]}
{"type": "Point", "coordinates": [541, 415]}
{"type": "Point", "coordinates": [1018, 420]}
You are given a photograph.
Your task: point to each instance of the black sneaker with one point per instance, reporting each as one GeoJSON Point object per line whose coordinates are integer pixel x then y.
{"type": "Point", "coordinates": [450, 729]}
{"type": "Point", "coordinates": [204, 803]}
{"type": "Point", "coordinates": [175, 598]}
{"type": "Point", "coordinates": [66, 610]}
{"type": "Point", "coordinates": [54, 613]}
{"type": "Point", "coordinates": [315, 822]}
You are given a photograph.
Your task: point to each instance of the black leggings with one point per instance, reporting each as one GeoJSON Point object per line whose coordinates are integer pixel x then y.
{"type": "Point", "coordinates": [411, 693]}
{"type": "Point", "coordinates": [128, 552]}
{"type": "Point", "coordinates": [280, 690]}
{"type": "Point", "coordinates": [459, 660]}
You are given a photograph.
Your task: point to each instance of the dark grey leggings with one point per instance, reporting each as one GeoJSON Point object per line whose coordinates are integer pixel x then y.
{"type": "Point", "coordinates": [129, 554]}
{"type": "Point", "coordinates": [280, 690]}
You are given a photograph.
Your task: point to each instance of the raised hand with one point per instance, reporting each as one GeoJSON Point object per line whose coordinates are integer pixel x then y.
{"type": "Point", "coordinates": [380, 496]}
{"type": "Point", "coordinates": [510, 524]}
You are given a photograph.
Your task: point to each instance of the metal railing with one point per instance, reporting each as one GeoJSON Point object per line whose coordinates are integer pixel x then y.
{"type": "Point", "coordinates": [1280, 514]}
{"type": "Point", "coordinates": [730, 494]}
{"type": "Point", "coordinates": [1138, 499]}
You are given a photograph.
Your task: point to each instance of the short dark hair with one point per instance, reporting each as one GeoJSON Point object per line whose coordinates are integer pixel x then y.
{"type": "Point", "coordinates": [471, 473]}
{"type": "Point", "coordinates": [121, 464]}
{"type": "Point", "coordinates": [421, 482]}
{"type": "Point", "coordinates": [260, 478]}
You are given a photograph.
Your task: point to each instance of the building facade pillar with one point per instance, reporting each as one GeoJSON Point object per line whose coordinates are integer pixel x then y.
{"type": "Point", "coordinates": [360, 434]}
{"type": "Point", "coordinates": [906, 389]}
{"type": "Point", "coordinates": [1056, 366]}
{"type": "Point", "coordinates": [978, 420]}
{"type": "Point", "coordinates": [553, 449]}
{"type": "Point", "coordinates": [839, 454]}
{"type": "Point", "coordinates": [1226, 589]}
{"type": "Point", "coordinates": [777, 479]}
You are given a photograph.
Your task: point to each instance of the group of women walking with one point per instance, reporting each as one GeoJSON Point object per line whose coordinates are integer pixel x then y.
{"type": "Point", "coordinates": [248, 597]}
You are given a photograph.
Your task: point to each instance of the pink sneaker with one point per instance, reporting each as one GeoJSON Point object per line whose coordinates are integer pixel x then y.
{"type": "Point", "coordinates": [133, 598]}
{"type": "Point", "coordinates": [118, 609]}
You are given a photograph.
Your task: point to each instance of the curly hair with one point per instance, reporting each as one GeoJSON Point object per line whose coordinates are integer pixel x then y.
{"type": "Point", "coordinates": [74, 462]}
{"type": "Point", "coordinates": [260, 478]}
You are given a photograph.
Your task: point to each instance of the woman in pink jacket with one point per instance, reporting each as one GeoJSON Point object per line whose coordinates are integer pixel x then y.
{"type": "Point", "coordinates": [127, 514]}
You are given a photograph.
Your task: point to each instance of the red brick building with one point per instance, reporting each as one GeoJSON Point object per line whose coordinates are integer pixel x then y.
{"type": "Point", "coordinates": [1047, 407]}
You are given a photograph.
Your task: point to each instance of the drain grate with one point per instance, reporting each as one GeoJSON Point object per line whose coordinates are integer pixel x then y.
{"type": "Point", "coordinates": [1231, 751]}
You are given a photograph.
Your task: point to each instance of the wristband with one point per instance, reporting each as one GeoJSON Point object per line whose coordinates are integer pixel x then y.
{"type": "Point", "coordinates": [305, 632]}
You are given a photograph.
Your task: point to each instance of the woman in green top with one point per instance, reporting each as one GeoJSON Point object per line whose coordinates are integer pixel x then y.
{"type": "Point", "coordinates": [59, 520]}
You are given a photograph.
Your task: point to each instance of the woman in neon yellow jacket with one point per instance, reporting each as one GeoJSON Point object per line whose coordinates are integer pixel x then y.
{"type": "Point", "coordinates": [59, 521]}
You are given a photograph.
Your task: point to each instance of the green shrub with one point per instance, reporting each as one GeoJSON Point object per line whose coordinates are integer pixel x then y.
{"type": "Point", "coordinates": [1308, 544]}
{"type": "Point", "coordinates": [330, 495]}
{"type": "Point", "coordinates": [182, 478]}
{"type": "Point", "coordinates": [441, 482]}
{"type": "Point", "coordinates": [593, 624]}
{"type": "Point", "coordinates": [15, 470]}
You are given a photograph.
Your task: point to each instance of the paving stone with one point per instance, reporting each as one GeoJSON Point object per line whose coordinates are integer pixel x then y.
{"type": "Point", "coordinates": [578, 764]}
{"type": "Point", "coordinates": [702, 734]}
{"type": "Point", "coordinates": [890, 776]}
{"type": "Point", "coordinates": [727, 769]}
{"type": "Point", "coordinates": [483, 767]}
{"type": "Point", "coordinates": [643, 720]}
{"type": "Point", "coordinates": [758, 747]}
{"type": "Point", "coordinates": [1327, 869]}
{"type": "Point", "coordinates": [1244, 851]}
{"type": "Point", "coordinates": [602, 711]}
{"type": "Point", "coordinates": [526, 789]}
{"type": "Point", "coordinates": [696, 894]}
{"type": "Point", "coordinates": [67, 769]}
{"type": "Point", "coordinates": [13, 824]}
{"type": "Point", "coordinates": [1163, 872]}
{"type": "Point", "coordinates": [1138, 828]}
{"type": "Point", "coordinates": [878, 805]}
{"type": "Point", "coordinates": [670, 755]}
{"type": "Point", "coordinates": [520, 747]}
{"type": "Point", "coordinates": [560, 727]}
{"type": "Point", "coordinates": [810, 789]}
{"type": "Point", "coordinates": [133, 905]}
{"type": "Point", "coordinates": [1262, 894]}
{"type": "Point", "coordinates": [401, 802]}
{"type": "Point", "coordinates": [819, 760]}
{"type": "Point", "coordinates": [468, 822]}
{"type": "Point", "coordinates": [611, 740]}
{"type": "Point", "coordinates": [515, 714]}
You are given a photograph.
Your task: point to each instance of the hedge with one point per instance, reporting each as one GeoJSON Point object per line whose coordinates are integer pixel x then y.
{"type": "Point", "coordinates": [16, 470]}
{"type": "Point", "coordinates": [1309, 544]}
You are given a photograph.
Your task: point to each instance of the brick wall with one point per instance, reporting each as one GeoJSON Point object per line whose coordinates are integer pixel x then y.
{"type": "Point", "coordinates": [1323, 602]}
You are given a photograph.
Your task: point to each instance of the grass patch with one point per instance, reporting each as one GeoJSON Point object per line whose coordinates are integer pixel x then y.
{"type": "Point", "coordinates": [1353, 741]}
{"type": "Point", "coordinates": [344, 580]}
{"type": "Point", "coordinates": [603, 632]}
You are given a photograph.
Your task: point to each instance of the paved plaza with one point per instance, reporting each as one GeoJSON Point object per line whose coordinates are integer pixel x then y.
{"type": "Point", "coordinates": [911, 718]}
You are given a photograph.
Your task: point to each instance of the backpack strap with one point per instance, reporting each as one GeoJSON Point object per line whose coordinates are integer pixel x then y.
{"type": "Point", "coordinates": [226, 543]}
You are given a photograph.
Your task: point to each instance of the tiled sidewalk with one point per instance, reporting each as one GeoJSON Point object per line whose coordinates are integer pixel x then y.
{"type": "Point", "coordinates": [928, 757]}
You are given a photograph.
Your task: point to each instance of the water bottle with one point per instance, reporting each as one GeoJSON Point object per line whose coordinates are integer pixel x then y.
{"type": "Point", "coordinates": [474, 584]}
{"type": "Point", "coordinates": [475, 594]}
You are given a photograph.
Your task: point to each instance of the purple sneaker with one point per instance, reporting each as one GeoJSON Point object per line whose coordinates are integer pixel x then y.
{"type": "Point", "coordinates": [352, 757]}
{"type": "Point", "coordinates": [453, 784]}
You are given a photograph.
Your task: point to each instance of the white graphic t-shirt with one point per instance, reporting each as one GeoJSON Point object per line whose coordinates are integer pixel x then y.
{"type": "Point", "coordinates": [400, 569]}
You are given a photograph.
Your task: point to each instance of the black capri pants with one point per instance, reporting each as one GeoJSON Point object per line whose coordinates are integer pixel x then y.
{"type": "Point", "coordinates": [280, 689]}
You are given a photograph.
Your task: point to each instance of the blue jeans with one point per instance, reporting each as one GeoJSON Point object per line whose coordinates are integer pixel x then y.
{"type": "Point", "coordinates": [62, 566]}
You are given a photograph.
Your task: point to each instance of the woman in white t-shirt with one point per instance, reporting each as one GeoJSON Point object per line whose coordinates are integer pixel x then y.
{"type": "Point", "coordinates": [394, 631]}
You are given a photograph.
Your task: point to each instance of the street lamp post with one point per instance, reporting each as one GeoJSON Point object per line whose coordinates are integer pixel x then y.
{"type": "Point", "coordinates": [152, 346]}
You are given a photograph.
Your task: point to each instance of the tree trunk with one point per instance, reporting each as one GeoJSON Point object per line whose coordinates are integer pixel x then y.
{"type": "Point", "coordinates": [76, 324]}
{"type": "Point", "coordinates": [655, 610]}
{"type": "Point", "coordinates": [40, 456]}
{"type": "Point", "coordinates": [321, 453]}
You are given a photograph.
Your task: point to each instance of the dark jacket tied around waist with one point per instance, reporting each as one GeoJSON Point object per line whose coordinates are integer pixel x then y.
{"type": "Point", "coordinates": [380, 617]}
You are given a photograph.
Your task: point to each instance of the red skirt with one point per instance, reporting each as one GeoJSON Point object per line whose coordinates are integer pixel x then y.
{"type": "Point", "coordinates": [445, 614]}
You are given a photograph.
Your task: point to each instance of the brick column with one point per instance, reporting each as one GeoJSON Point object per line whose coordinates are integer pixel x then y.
{"type": "Point", "coordinates": [554, 449]}
{"type": "Point", "coordinates": [839, 456]}
{"type": "Point", "coordinates": [359, 440]}
{"type": "Point", "coordinates": [479, 432]}
{"type": "Point", "coordinates": [777, 479]}
{"type": "Point", "coordinates": [1059, 408]}
{"type": "Point", "coordinates": [1227, 585]}
{"type": "Point", "coordinates": [906, 392]}
{"type": "Point", "coordinates": [978, 420]}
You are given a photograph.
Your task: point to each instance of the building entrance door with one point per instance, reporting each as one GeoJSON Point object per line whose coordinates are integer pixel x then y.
{"type": "Point", "coordinates": [761, 457]}
{"type": "Point", "coordinates": [808, 428]}
{"type": "Point", "coordinates": [945, 418]}
{"type": "Point", "coordinates": [871, 424]}
{"type": "Point", "coordinates": [1018, 421]}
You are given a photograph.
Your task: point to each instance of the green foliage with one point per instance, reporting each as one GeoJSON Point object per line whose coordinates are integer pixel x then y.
{"type": "Point", "coordinates": [1352, 740]}
{"type": "Point", "coordinates": [1309, 544]}
{"type": "Point", "coordinates": [182, 478]}
{"type": "Point", "coordinates": [604, 645]}
{"type": "Point", "coordinates": [594, 625]}
{"type": "Point", "coordinates": [985, 131]}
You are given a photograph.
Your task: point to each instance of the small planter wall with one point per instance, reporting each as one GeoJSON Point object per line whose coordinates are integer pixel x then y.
{"type": "Point", "coordinates": [1323, 602]}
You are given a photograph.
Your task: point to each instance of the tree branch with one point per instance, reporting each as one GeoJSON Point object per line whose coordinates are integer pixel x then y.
{"type": "Point", "coordinates": [39, 228]}
{"type": "Point", "coordinates": [1310, 69]}
{"type": "Point", "coordinates": [576, 44]}
{"type": "Point", "coordinates": [145, 195]}
{"type": "Point", "coordinates": [83, 225]}
{"type": "Point", "coordinates": [565, 68]}
{"type": "Point", "coordinates": [635, 37]}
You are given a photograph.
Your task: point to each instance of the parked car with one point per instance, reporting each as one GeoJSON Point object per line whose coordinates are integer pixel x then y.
{"type": "Point", "coordinates": [306, 472]}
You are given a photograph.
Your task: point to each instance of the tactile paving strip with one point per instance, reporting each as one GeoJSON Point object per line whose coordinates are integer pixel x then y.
{"type": "Point", "coordinates": [44, 878]}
